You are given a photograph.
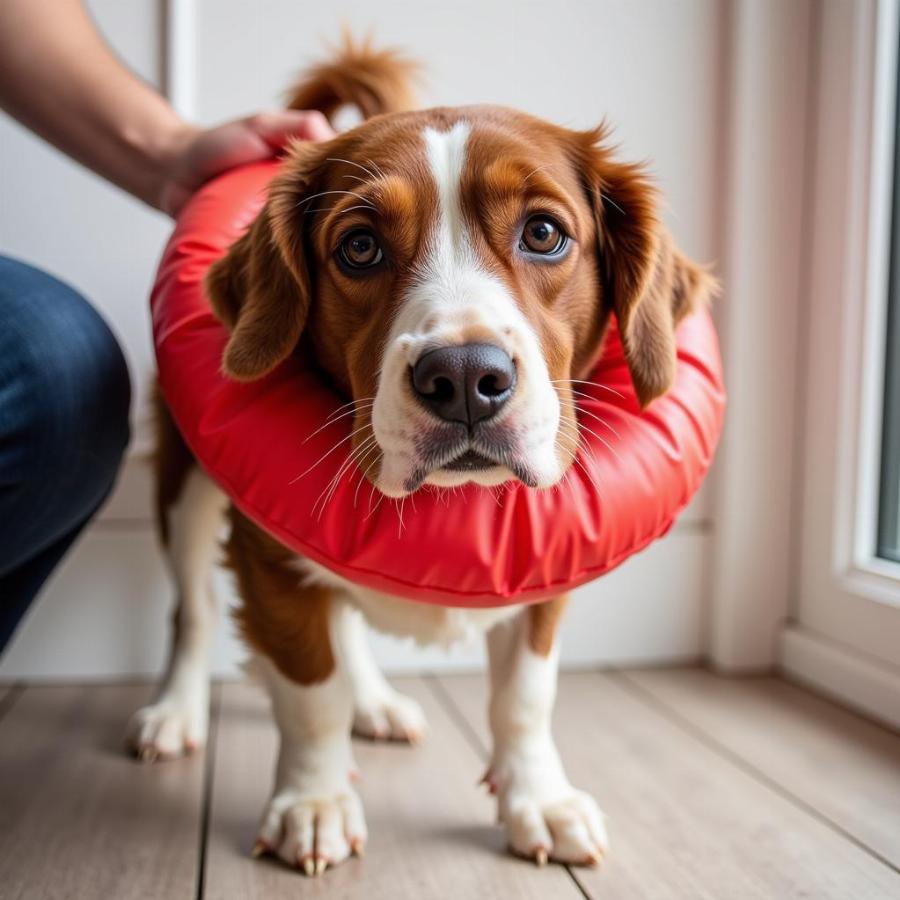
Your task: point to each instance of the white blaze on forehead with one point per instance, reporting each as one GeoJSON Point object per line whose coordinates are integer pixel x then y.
{"type": "Point", "coordinates": [446, 151]}
{"type": "Point", "coordinates": [455, 299]}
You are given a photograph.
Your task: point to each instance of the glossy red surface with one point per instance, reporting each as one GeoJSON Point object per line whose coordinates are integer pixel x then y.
{"type": "Point", "coordinates": [474, 547]}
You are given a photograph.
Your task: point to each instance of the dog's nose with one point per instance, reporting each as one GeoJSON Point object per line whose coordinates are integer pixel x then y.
{"type": "Point", "coordinates": [467, 383]}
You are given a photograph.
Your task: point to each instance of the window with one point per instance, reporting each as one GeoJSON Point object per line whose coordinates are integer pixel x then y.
{"type": "Point", "coordinates": [889, 499]}
{"type": "Point", "coordinates": [889, 503]}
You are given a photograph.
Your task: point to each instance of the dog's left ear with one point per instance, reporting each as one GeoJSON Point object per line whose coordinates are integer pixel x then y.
{"type": "Point", "coordinates": [262, 288]}
{"type": "Point", "coordinates": [646, 280]}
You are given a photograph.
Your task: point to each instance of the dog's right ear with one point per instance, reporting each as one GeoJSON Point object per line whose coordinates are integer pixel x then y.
{"type": "Point", "coordinates": [261, 289]}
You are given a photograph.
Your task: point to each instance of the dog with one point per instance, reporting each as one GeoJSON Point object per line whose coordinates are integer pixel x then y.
{"type": "Point", "coordinates": [453, 272]}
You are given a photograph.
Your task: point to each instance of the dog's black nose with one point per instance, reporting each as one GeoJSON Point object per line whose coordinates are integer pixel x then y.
{"type": "Point", "coordinates": [467, 383]}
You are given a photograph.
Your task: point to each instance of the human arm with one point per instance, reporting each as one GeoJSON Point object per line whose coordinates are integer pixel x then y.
{"type": "Point", "coordinates": [60, 79]}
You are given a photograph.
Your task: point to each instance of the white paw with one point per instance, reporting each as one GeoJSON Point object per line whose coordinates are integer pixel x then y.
{"type": "Point", "coordinates": [167, 729]}
{"type": "Point", "coordinates": [566, 825]}
{"type": "Point", "coordinates": [312, 833]}
{"type": "Point", "coordinates": [389, 716]}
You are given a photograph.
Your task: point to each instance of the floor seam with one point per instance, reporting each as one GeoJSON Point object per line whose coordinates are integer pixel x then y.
{"type": "Point", "coordinates": [456, 714]}
{"type": "Point", "coordinates": [10, 698]}
{"type": "Point", "coordinates": [206, 798]}
{"type": "Point", "coordinates": [649, 699]}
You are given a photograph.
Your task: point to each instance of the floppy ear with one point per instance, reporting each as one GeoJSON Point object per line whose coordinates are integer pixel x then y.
{"type": "Point", "coordinates": [647, 281]}
{"type": "Point", "coordinates": [261, 289]}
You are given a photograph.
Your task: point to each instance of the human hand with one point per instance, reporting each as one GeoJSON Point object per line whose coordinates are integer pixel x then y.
{"type": "Point", "coordinates": [197, 155]}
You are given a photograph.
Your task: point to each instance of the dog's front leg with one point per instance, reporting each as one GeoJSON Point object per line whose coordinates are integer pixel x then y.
{"type": "Point", "coordinates": [544, 816]}
{"type": "Point", "coordinates": [314, 818]}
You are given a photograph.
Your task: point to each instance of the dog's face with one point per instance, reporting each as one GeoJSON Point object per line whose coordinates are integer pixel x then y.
{"type": "Point", "coordinates": [454, 272]}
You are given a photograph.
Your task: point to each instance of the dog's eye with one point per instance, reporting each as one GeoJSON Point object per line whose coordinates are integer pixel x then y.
{"type": "Point", "coordinates": [542, 235]}
{"type": "Point", "coordinates": [360, 250]}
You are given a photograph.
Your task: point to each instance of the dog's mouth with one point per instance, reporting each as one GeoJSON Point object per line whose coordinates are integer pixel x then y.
{"type": "Point", "coordinates": [468, 458]}
{"type": "Point", "coordinates": [470, 461]}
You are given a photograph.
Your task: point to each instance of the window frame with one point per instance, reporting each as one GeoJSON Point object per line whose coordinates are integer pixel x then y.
{"type": "Point", "coordinates": [843, 627]}
{"type": "Point", "coordinates": [857, 568]}
{"type": "Point", "coordinates": [888, 531]}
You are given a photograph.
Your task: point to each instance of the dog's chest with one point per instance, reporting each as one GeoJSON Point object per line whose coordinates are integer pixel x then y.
{"type": "Point", "coordinates": [425, 622]}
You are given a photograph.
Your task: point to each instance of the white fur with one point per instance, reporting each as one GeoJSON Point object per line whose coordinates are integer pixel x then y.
{"type": "Point", "coordinates": [177, 721]}
{"type": "Point", "coordinates": [426, 623]}
{"type": "Point", "coordinates": [545, 817]}
{"type": "Point", "coordinates": [454, 300]}
{"type": "Point", "coordinates": [314, 817]}
{"type": "Point", "coordinates": [378, 710]}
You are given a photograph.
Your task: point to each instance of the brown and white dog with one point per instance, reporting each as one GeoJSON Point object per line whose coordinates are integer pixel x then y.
{"type": "Point", "coordinates": [453, 272]}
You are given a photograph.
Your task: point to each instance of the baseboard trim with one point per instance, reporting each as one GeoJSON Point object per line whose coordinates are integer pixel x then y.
{"type": "Point", "coordinates": [838, 672]}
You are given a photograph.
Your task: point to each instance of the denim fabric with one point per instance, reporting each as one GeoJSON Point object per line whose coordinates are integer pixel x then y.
{"type": "Point", "coordinates": [64, 398]}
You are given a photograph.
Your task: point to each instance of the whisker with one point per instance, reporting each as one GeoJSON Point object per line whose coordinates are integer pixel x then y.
{"type": "Point", "coordinates": [605, 387]}
{"type": "Point", "coordinates": [375, 167]}
{"type": "Point", "coordinates": [350, 162]}
{"type": "Point", "coordinates": [381, 496]}
{"type": "Point", "coordinates": [584, 427]}
{"type": "Point", "coordinates": [534, 172]}
{"type": "Point", "coordinates": [352, 458]}
{"type": "Point", "coordinates": [327, 193]}
{"type": "Point", "coordinates": [585, 412]}
{"type": "Point", "coordinates": [575, 459]}
{"type": "Point", "coordinates": [328, 453]}
{"type": "Point", "coordinates": [331, 487]}
{"type": "Point", "coordinates": [607, 199]}
{"type": "Point", "coordinates": [365, 473]}
{"type": "Point", "coordinates": [331, 421]}
{"type": "Point", "coordinates": [331, 208]}
{"type": "Point", "coordinates": [590, 477]}
{"type": "Point", "coordinates": [352, 403]}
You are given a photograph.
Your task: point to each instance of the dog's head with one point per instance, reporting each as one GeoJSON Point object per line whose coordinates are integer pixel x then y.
{"type": "Point", "coordinates": [453, 272]}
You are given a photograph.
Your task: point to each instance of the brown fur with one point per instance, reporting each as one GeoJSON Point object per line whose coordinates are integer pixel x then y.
{"type": "Point", "coordinates": [375, 81]}
{"type": "Point", "coordinates": [286, 622]}
{"type": "Point", "coordinates": [171, 463]}
{"type": "Point", "coordinates": [543, 622]}
{"type": "Point", "coordinates": [649, 283]}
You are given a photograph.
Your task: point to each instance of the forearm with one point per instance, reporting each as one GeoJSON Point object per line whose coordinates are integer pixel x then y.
{"type": "Point", "coordinates": [59, 79]}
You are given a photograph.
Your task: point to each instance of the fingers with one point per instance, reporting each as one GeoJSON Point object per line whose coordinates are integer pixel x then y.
{"type": "Point", "coordinates": [277, 128]}
{"type": "Point", "coordinates": [215, 150]}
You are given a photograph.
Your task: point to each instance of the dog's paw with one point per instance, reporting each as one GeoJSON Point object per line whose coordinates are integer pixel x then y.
{"type": "Point", "coordinates": [389, 716]}
{"type": "Point", "coordinates": [313, 833]}
{"type": "Point", "coordinates": [167, 729]}
{"type": "Point", "coordinates": [547, 819]}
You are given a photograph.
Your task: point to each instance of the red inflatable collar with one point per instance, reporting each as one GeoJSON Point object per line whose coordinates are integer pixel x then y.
{"type": "Point", "coordinates": [472, 548]}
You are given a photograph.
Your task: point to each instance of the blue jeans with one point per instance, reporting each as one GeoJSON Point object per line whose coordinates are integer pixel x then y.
{"type": "Point", "coordinates": [64, 398]}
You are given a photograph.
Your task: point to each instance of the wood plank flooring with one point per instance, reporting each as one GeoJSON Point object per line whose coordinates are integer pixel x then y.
{"type": "Point", "coordinates": [715, 788]}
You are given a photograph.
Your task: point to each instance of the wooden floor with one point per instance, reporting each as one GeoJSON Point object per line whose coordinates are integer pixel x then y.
{"type": "Point", "coordinates": [714, 789]}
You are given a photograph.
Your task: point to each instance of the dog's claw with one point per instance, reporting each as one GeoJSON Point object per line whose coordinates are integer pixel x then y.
{"type": "Point", "coordinates": [540, 857]}
{"type": "Point", "coordinates": [488, 780]}
{"type": "Point", "coordinates": [309, 866]}
{"type": "Point", "coordinates": [358, 847]}
{"type": "Point", "coordinates": [260, 848]}
{"type": "Point", "coordinates": [321, 864]}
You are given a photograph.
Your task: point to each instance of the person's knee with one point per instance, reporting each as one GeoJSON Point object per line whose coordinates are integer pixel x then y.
{"type": "Point", "coordinates": [64, 384]}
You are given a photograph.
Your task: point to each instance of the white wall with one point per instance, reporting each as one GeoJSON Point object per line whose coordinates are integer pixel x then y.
{"type": "Point", "coordinates": [655, 68]}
